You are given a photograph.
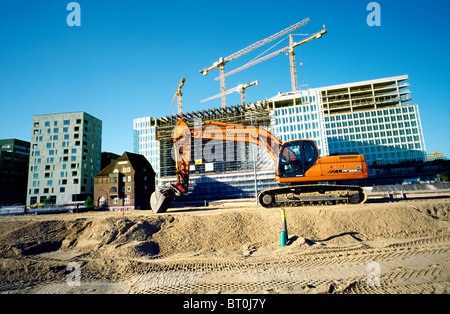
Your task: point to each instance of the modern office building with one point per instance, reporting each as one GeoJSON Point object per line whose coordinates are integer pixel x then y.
{"type": "Point", "coordinates": [14, 156]}
{"type": "Point", "coordinates": [374, 118]}
{"type": "Point", "coordinates": [146, 142]}
{"type": "Point", "coordinates": [65, 156]}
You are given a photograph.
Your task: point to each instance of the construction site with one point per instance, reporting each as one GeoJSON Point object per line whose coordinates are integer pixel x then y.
{"type": "Point", "coordinates": [374, 118]}
{"type": "Point", "coordinates": [289, 205]}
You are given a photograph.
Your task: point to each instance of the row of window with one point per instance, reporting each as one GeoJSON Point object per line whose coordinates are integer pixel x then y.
{"type": "Point", "coordinates": [36, 124]}
{"type": "Point", "coordinates": [371, 114]}
{"type": "Point", "coordinates": [55, 123]}
{"type": "Point", "coordinates": [62, 189]}
{"type": "Point", "coordinates": [300, 109]}
{"type": "Point", "coordinates": [114, 189]}
{"type": "Point", "coordinates": [102, 201]}
{"type": "Point", "coordinates": [124, 179]}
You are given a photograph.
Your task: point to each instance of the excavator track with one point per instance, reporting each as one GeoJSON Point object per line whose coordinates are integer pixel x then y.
{"type": "Point", "coordinates": [307, 195]}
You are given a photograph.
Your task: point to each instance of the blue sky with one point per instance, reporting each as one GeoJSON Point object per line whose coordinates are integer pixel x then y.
{"type": "Point", "coordinates": [126, 59]}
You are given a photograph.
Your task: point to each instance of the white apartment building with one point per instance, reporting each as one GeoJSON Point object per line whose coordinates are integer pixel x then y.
{"type": "Point", "coordinates": [65, 156]}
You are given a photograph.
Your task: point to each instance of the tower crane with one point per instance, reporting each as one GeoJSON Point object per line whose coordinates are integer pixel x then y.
{"type": "Point", "coordinates": [240, 88]}
{"type": "Point", "coordinates": [222, 61]}
{"type": "Point", "coordinates": [289, 49]}
{"type": "Point", "coordinates": [179, 96]}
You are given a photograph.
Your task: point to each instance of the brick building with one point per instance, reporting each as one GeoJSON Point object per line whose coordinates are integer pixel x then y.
{"type": "Point", "coordinates": [126, 183]}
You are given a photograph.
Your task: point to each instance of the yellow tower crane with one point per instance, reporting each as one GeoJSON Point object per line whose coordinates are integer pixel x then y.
{"type": "Point", "coordinates": [221, 62]}
{"type": "Point", "coordinates": [179, 96]}
{"type": "Point", "coordinates": [289, 49]}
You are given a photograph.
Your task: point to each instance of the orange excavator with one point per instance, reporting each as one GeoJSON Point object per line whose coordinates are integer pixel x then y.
{"type": "Point", "coordinates": [297, 163]}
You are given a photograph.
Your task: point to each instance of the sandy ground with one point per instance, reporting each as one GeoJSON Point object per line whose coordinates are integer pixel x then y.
{"type": "Point", "coordinates": [400, 246]}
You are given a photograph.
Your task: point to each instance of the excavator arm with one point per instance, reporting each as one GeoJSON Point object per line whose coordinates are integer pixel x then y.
{"type": "Point", "coordinates": [182, 136]}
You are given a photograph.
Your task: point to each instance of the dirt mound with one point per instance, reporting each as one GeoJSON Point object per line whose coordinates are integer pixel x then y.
{"type": "Point", "coordinates": [244, 232]}
{"type": "Point", "coordinates": [115, 236]}
{"type": "Point", "coordinates": [36, 249]}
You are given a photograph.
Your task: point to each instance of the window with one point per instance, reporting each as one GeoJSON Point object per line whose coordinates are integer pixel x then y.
{"type": "Point", "coordinates": [113, 190]}
{"type": "Point", "coordinates": [127, 200]}
{"type": "Point", "coordinates": [66, 122]}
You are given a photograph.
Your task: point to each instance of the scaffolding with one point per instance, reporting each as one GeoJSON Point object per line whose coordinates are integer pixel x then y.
{"type": "Point", "coordinates": [256, 114]}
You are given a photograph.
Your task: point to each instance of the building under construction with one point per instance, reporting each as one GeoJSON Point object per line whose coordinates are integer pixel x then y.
{"type": "Point", "coordinates": [229, 168]}
{"type": "Point", "coordinates": [374, 118]}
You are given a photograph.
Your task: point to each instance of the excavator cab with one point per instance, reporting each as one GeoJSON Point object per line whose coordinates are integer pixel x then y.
{"type": "Point", "coordinates": [296, 157]}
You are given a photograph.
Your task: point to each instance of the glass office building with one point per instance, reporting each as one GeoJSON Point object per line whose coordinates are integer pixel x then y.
{"type": "Point", "coordinates": [374, 118]}
{"type": "Point", "coordinates": [145, 141]}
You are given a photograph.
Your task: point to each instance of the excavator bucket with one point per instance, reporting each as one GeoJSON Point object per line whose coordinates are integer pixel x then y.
{"type": "Point", "coordinates": [160, 200]}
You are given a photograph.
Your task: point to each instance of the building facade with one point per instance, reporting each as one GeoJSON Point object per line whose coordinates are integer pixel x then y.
{"type": "Point", "coordinates": [14, 157]}
{"type": "Point", "coordinates": [65, 156]}
{"type": "Point", "coordinates": [374, 118]}
{"type": "Point", "coordinates": [126, 183]}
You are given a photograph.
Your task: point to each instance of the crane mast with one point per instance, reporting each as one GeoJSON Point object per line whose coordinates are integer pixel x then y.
{"type": "Point", "coordinates": [292, 65]}
{"type": "Point", "coordinates": [179, 96]}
